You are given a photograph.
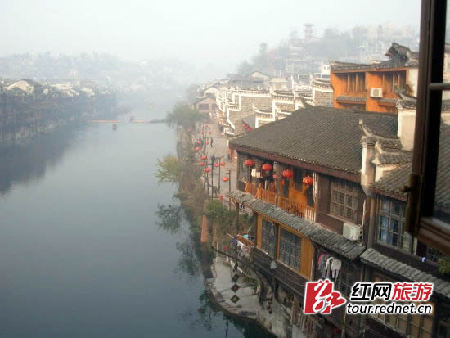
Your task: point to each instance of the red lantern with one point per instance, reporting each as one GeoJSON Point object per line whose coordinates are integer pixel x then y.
{"type": "Point", "coordinates": [249, 163]}
{"type": "Point", "coordinates": [216, 165]}
{"type": "Point", "coordinates": [266, 167]}
{"type": "Point", "coordinates": [197, 149]}
{"type": "Point", "coordinates": [225, 179]}
{"type": "Point", "coordinates": [222, 163]}
{"type": "Point", "coordinates": [287, 173]}
{"type": "Point", "coordinates": [203, 157]}
{"type": "Point", "coordinates": [198, 142]}
{"type": "Point", "coordinates": [220, 197]}
{"type": "Point", "coordinates": [207, 142]}
{"type": "Point", "coordinates": [202, 163]}
{"type": "Point", "coordinates": [308, 180]}
{"type": "Point", "coordinates": [275, 176]}
{"type": "Point", "coordinates": [207, 170]}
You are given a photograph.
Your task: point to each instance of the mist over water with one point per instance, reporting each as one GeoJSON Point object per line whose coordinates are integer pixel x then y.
{"type": "Point", "coordinates": [81, 251]}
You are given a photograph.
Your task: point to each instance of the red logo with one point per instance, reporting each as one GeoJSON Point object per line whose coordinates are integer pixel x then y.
{"type": "Point", "coordinates": [320, 297]}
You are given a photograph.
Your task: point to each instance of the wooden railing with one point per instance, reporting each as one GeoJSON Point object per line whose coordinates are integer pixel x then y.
{"type": "Point", "coordinates": [300, 209]}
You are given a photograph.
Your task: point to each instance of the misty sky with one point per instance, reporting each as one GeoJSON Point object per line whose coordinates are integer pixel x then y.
{"type": "Point", "coordinates": [198, 31]}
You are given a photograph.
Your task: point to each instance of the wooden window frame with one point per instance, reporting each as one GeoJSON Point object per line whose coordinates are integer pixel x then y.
{"type": "Point", "coordinates": [296, 265]}
{"type": "Point", "coordinates": [400, 218]}
{"type": "Point", "coordinates": [408, 318]}
{"type": "Point", "coordinates": [422, 182]}
{"type": "Point", "coordinates": [354, 194]}
{"type": "Point", "coordinates": [272, 254]}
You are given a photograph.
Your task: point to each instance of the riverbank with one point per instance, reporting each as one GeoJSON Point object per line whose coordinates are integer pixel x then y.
{"type": "Point", "coordinates": [194, 188]}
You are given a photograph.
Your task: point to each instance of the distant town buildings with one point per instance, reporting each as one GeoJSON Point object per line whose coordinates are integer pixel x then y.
{"type": "Point", "coordinates": [376, 86]}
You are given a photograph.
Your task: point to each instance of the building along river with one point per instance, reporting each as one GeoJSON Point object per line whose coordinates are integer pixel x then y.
{"type": "Point", "coordinates": [82, 252]}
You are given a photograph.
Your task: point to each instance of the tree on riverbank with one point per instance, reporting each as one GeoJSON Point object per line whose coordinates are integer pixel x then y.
{"type": "Point", "coordinates": [168, 169]}
{"type": "Point", "coordinates": [185, 116]}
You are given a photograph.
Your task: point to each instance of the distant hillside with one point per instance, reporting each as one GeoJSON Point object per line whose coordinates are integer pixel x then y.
{"type": "Point", "coordinates": [105, 70]}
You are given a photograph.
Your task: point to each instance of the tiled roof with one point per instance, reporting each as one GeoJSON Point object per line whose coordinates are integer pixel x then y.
{"type": "Point", "coordinates": [395, 158]}
{"type": "Point", "coordinates": [389, 144]}
{"type": "Point", "coordinates": [390, 265]}
{"type": "Point", "coordinates": [391, 183]}
{"type": "Point", "coordinates": [322, 136]}
{"type": "Point", "coordinates": [318, 234]}
{"type": "Point", "coordinates": [351, 98]}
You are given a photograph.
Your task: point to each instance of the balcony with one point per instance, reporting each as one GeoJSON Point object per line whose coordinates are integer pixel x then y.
{"type": "Point", "coordinates": [293, 207]}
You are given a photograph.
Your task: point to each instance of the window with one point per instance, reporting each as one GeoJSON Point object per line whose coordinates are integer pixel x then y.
{"type": "Point", "coordinates": [290, 249]}
{"type": "Point", "coordinates": [428, 203]}
{"type": "Point", "coordinates": [421, 326]}
{"type": "Point", "coordinates": [416, 326]}
{"type": "Point", "coordinates": [269, 237]}
{"type": "Point", "coordinates": [344, 200]}
{"type": "Point", "coordinates": [391, 222]}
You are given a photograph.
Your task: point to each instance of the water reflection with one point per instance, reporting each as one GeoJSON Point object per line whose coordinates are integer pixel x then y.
{"type": "Point", "coordinates": [24, 163]}
{"type": "Point", "coordinates": [193, 263]}
{"type": "Point", "coordinates": [169, 217]}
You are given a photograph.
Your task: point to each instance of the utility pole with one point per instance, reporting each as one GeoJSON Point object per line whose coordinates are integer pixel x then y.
{"type": "Point", "coordinates": [218, 179]}
{"type": "Point", "coordinates": [213, 159]}
{"type": "Point", "coordinates": [229, 189]}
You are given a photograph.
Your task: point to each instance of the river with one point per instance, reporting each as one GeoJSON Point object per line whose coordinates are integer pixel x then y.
{"type": "Point", "coordinates": [82, 253]}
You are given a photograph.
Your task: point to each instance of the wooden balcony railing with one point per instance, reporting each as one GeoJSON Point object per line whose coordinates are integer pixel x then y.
{"type": "Point", "coordinates": [300, 209]}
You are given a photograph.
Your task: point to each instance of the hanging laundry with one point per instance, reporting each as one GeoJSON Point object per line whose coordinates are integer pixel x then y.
{"type": "Point", "coordinates": [328, 267]}
{"type": "Point", "coordinates": [335, 267]}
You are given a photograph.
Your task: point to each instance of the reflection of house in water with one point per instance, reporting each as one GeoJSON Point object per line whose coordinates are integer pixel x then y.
{"type": "Point", "coordinates": [26, 162]}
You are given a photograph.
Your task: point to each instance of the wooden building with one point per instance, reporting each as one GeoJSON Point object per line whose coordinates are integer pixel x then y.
{"type": "Point", "coordinates": [376, 86]}
{"type": "Point", "coordinates": [314, 182]}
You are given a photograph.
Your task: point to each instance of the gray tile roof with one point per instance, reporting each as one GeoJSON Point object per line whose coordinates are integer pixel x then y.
{"type": "Point", "coordinates": [318, 234]}
{"type": "Point", "coordinates": [390, 265]}
{"type": "Point", "coordinates": [351, 98]}
{"type": "Point", "coordinates": [322, 136]}
{"type": "Point", "coordinates": [392, 182]}
{"type": "Point", "coordinates": [395, 158]}
{"type": "Point", "coordinates": [389, 144]}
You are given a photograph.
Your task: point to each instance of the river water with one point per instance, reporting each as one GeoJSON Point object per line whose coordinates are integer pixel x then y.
{"type": "Point", "coordinates": [82, 253]}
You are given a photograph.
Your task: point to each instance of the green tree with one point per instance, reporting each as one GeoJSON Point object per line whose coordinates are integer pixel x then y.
{"type": "Point", "coordinates": [168, 169]}
{"type": "Point", "coordinates": [185, 116]}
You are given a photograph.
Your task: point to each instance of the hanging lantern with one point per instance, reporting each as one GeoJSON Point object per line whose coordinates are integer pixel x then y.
{"type": "Point", "coordinates": [267, 167]}
{"type": "Point", "coordinates": [197, 149]}
{"type": "Point", "coordinates": [202, 163]}
{"type": "Point", "coordinates": [275, 176]}
{"type": "Point", "coordinates": [225, 179]}
{"type": "Point", "coordinates": [220, 197]}
{"type": "Point", "coordinates": [198, 142]}
{"type": "Point", "coordinates": [216, 164]}
{"type": "Point", "coordinates": [308, 180]}
{"type": "Point", "coordinates": [207, 170]}
{"type": "Point", "coordinates": [287, 173]}
{"type": "Point", "coordinates": [203, 157]}
{"type": "Point", "coordinates": [207, 142]}
{"type": "Point", "coordinates": [222, 163]}
{"type": "Point", "coordinates": [249, 163]}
